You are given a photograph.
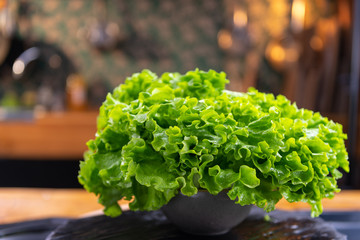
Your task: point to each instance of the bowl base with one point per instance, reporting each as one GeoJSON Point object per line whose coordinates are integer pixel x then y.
{"type": "Point", "coordinates": [205, 214]}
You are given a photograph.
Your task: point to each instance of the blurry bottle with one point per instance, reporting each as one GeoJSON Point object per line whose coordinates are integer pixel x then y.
{"type": "Point", "coordinates": [28, 98]}
{"type": "Point", "coordinates": [76, 97]}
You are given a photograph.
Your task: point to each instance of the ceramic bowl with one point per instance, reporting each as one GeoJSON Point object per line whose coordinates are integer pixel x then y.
{"type": "Point", "coordinates": [204, 213]}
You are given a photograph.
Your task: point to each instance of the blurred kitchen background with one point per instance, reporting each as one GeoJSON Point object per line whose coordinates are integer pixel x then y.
{"type": "Point", "coordinates": [59, 58]}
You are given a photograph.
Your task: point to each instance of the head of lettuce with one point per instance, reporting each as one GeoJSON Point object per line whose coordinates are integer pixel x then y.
{"type": "Point", "coordinates": [159, 136]}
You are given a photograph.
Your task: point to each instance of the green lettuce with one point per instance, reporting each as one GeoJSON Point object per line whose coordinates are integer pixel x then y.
{"type": "Point", "coordinates": [158, 136]}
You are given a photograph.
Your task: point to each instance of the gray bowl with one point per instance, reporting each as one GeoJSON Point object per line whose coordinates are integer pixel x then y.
{"type": "Point", "coordinates": [204, 213]}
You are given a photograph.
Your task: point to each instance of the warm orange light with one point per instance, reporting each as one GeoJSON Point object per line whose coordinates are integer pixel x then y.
{"type": "Point", "coordinates": [240, 17]}
{"type": "Point", "coordinates": [2, 4]}
{"type": "Point", "coordinates": [277, 53]}
{"type": "Point", "coordinates": [298, 15]}
{"type": "Point", "coordinates": [224, 39]}
{"type": "Point", "coordinates": [280, 8]}
{"type": "Point", "coordinates": [316, 43]}
{"type": "Point", "coordinates": [344, 14]}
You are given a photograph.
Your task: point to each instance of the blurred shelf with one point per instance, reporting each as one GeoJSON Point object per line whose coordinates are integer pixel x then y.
{"type": "Point", "coordinates": [58, 136]}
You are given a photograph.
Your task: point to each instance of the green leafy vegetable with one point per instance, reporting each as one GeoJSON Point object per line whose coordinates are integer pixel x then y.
{"type": "Point", "coordinates": [158, 136]}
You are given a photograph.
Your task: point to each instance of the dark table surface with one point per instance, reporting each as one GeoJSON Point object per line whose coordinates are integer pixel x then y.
{"type": "Point", "coordinates": [154, 225]}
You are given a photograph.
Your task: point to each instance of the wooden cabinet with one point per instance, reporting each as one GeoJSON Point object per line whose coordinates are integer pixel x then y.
{"type": "Point", "coordinates": [58, 136]}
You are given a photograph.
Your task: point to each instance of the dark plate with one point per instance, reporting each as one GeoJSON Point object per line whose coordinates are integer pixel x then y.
{"type": "Point", "coordinates": [347, 223]}
{"type": "Point", "coordinates": [30, 230]}
{"type": "Point", "coordinates": [154, 225]}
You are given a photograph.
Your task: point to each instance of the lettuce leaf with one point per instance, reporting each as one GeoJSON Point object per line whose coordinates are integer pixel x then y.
{"type": "Point", "coordinates": [158, 136]}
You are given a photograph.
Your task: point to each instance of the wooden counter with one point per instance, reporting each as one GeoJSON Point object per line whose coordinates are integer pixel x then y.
{"type": "Point", "coordinates": [18, 204]}
{"type": "Point", "coordinates": [58, 136]}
